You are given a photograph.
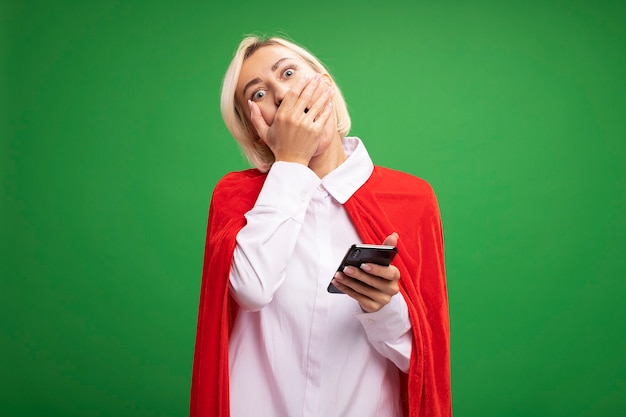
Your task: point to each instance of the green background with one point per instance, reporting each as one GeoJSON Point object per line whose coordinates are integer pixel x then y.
{"type": "Point", "coordinates": [112, 141]}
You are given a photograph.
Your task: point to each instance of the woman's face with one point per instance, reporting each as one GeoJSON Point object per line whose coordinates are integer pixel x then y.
{"type": "Point", "coordinates": [267, 75]}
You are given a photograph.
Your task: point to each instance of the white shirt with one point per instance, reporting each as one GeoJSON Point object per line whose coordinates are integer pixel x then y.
{"type": "Point", "coordinates": [295, 349]}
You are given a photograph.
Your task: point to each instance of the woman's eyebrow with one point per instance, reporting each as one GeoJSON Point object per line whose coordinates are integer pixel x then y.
{"type": "Point", "coordinates": [277, 63]}
{"type": "Point", "coordinates": [258, 80]}
{"type": "Point", "coordinates": [250, 84]}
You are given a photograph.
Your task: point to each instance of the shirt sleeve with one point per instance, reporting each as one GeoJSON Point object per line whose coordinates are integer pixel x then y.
{"type": "Point", "coordinates": [266, 242]}
{"type": "Point", "coordinates": [389, 331]}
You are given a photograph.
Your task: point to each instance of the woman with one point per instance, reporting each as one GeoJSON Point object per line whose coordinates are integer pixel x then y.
{"type": "Point", "coordinates": [271, 340]}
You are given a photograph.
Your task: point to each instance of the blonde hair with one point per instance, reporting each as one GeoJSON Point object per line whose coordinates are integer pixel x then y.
{"type": "Point", "coordinates": [237, 122]}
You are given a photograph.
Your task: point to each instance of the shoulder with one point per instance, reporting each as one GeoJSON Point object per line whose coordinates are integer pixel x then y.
{"type": "Point", "coordinates": [235, 183]}
{"type": "Point", "coordinates": [237, 191]}
{"type": "Point", "coordinates": [387, 181]}
{"type": "Point", "coordinates": [404, 198]}
{"type": "Point", "coordinates": [248, 175]}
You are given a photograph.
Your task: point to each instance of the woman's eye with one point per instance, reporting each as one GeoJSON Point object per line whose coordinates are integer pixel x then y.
{"type": "Point", "coordinates": [258, 95]}
{"type": "Point", "coordinates": [288, 72]}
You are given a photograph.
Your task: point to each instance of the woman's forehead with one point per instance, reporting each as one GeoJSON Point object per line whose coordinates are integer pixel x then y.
{"type": "Point", "coordinates": [264, 61]}
{"type": "Point", "coordinates": [266, 56]}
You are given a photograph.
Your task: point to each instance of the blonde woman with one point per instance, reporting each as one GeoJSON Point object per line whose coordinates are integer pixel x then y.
{"type": "Point", "coordinates": [271, 340]}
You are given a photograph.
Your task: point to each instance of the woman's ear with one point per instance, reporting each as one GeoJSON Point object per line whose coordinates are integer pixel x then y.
{"type": "Point", "coordinates": [328, 80]}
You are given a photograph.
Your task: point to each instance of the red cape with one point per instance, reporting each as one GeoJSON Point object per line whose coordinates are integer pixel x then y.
{"type": "Point", "coordinates": [389, 201]}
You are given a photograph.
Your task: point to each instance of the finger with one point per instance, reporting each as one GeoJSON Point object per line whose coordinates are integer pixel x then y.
{"type": "Point", "coordinates": [326, 115]}
{"type": "Point", "coordinates": [390, 273]}
{"type": "Point", "coordinates": [325, 83]}
{"type": "Point", "coordinates": [305, 100]}
{"type": "Point", "coordinates": [363, 282]}
{"type": "Point", "coordinates": [291, 99]}
{"type": "Point", "coordinates": [257, 120]}
{"type": "Point", "coordinates": [369, 298]}
{"type": "Point", "coordinates": [367, 304]}
{"type": "Point", "coordinates": [351, 286]}
{"type": "Point", "coordinates": [320, 105]}
{"type": "Point", "coordinates": [392, 239]}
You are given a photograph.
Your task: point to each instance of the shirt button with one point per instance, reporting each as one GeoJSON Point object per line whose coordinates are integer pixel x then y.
{"type": "Point", "coordinates": [370, 321]}
{"type": "Point", "coordinates": [320, 187]}
{"type": "Point", "coordinates": [302, 197]}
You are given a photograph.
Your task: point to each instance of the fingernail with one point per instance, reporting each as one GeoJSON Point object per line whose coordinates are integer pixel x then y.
{"type": "Point", "coordinates": [366, 267]}
{"type": "Point", "coordinates": [348, 270]}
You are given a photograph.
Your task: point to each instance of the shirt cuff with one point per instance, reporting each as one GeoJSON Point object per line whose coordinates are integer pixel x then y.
{"type": "Point", "coordinates": [389, 323]}
{"type": "Point", "coordinates": [288, 188]}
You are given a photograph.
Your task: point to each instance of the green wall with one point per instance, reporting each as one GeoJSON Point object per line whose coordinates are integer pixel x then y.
{"type": "Point", "coordinates": [111, 143]}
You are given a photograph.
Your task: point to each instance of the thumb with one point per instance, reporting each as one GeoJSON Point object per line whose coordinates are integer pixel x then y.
{"type": "Point", "coordinates": [257, 120]}
{"type": "Point", "coordinates": [392, 239]}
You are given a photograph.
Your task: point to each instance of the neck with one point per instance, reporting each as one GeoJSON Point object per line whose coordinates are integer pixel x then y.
{"type": "Point", "coordinates": [330, 159]}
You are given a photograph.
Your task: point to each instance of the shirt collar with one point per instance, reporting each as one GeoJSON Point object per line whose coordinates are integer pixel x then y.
{"type": "Point", "coordinates": [348, 177]}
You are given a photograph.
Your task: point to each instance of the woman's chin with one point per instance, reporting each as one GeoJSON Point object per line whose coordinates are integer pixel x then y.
{"type": "Point", "coordinates": [329, 148]}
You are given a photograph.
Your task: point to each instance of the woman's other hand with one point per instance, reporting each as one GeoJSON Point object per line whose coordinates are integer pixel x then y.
{"type": "Point", "coordinates": [372, 286]}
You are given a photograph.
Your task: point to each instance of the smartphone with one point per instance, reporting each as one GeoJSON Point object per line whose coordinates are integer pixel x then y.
{"type": "Point", "coordinates": [360, 254]}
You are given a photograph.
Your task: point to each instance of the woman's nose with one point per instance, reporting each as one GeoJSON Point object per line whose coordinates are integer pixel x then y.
{"type": "Point", "coordinates": [279, 93]}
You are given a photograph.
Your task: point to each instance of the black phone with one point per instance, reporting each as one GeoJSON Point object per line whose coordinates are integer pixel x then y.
{"type": "Point", "coordinates": [361, 253]}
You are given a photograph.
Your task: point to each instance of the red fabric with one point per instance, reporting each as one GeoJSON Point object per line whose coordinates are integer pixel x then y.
{"type": "Point", "coordinates": [389, 201]}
